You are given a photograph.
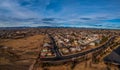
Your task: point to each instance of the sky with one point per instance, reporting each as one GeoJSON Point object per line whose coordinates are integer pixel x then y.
{"type": "Point", "coordinates": [67, 13]}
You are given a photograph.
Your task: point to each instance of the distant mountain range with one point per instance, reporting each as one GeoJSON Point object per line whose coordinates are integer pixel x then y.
{"type": "Point", "coordinates": [7, 28]}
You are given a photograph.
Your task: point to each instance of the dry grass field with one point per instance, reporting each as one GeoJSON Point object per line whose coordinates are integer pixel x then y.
{"type": "Point", "coordinates": [19, 54]}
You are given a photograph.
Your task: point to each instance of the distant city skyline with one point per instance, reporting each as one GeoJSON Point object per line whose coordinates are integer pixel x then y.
{"type": "Point", "coordinates": [67, 13]}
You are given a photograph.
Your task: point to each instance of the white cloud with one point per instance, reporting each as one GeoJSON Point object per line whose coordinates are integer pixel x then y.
{"type": "Point", "coordinates": [15, 10]}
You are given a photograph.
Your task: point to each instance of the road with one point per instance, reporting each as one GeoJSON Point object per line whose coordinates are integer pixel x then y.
{"type": "Point", "coordinates": [55, 49]}
{"type": "Point", "coordinates": [61, 58]}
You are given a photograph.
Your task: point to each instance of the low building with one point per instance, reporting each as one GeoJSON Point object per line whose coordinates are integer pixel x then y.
{"type": "Point", "coordinates": [65, 50]}
{"type": "Point", "coordinates": [92, 44]}
{"type": "Point", "coordinates": [73, 49]}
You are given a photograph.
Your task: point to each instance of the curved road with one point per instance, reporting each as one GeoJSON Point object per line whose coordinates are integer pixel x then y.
{"type": "Point", "coordinates": [59, 57]}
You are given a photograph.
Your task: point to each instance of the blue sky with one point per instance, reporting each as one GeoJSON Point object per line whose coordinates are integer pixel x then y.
{"type": "Point", "coordinates": [70, 13]}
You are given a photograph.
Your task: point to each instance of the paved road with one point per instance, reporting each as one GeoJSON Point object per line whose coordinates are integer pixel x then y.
{"type": "Point", "coordinates": [60, 58]}
{"type": "Point", "coordinates": [55, 49]}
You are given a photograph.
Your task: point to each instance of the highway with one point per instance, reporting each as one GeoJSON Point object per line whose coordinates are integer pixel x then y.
{"type": "Point", "coordinates": [59, 57]}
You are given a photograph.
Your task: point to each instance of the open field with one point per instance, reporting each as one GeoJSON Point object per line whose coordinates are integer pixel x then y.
{"type": "Point", "coordinates": [19, 54]}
